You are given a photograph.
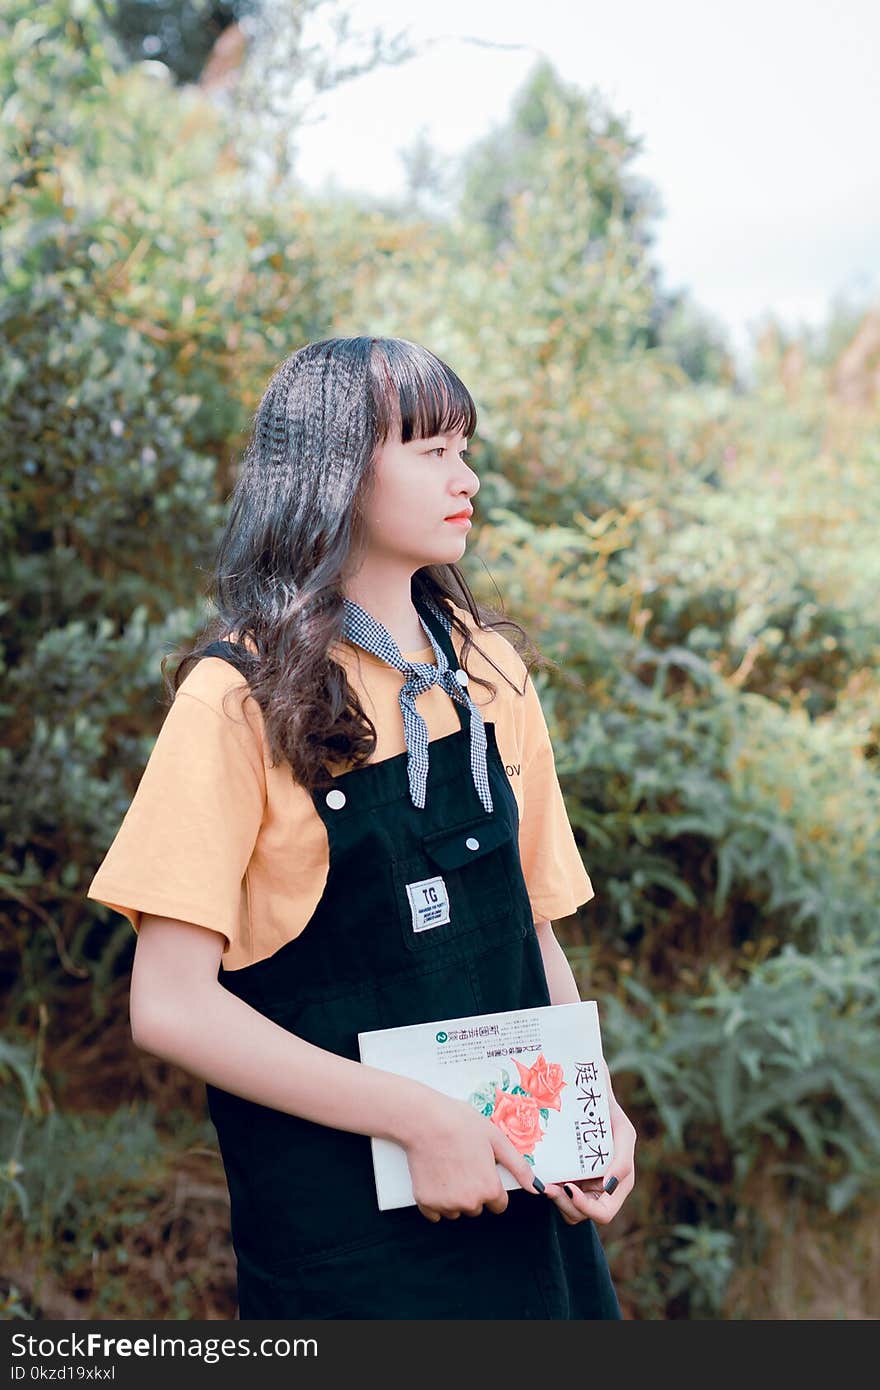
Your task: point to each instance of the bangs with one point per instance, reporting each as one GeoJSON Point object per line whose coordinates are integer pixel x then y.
{"type": "Point", "coordinates": [417, 394]}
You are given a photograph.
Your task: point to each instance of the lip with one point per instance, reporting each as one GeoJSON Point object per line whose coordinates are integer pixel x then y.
{"type": "Point", "coordinates": [458, 520]}
{"type": "Point", "coordinates": [464, 515]}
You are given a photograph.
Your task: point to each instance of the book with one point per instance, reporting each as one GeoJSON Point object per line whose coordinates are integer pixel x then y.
{"type": "Point", "coordinates": [536, 1073]}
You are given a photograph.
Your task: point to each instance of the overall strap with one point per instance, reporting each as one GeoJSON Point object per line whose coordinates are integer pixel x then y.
{"type": "Point", "coordinates": [443, 638]}
{"type": "Point", "coordinates": [228, 651]}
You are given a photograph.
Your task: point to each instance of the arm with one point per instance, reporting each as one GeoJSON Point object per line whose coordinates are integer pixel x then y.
{"type": "Point", "coordinates": [181, 1013]}
{"type": "Point", "coordinates": [588, 1197]}
{"type": "Point", "coordinates": [561, 981]}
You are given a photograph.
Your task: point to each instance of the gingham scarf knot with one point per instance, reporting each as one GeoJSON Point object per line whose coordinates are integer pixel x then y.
{"type": "Point", "coordinates": [365, 631]}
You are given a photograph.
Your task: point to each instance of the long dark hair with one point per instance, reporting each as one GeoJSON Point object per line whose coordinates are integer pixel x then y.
{"type": "Point", "coordinates": [296, 518]}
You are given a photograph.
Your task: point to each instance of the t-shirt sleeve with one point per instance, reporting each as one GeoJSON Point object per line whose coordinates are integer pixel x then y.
{"type": "Point", "coordinates": [555, 876]}
{"type": "Point", "coordinates": [183, 848]}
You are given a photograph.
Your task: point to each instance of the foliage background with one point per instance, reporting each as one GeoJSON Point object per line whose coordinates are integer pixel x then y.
{"type": "Point", "coordinates": [695, 556]}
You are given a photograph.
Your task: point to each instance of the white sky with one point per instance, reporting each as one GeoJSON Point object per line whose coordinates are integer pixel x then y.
{"type": "Point", "coordinates": [759, 121]}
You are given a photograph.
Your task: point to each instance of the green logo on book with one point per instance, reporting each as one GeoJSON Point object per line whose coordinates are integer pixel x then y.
{"type": "Point", "coordinates": [443, 1037]}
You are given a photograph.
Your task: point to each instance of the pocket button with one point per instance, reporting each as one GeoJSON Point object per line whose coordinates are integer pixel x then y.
{"type": "Point", "coordinates": [472, 843]}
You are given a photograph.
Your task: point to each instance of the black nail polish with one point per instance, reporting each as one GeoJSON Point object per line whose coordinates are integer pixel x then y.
{"type": "Point", "coordinates": [610, 1183]}
{"type": "Point", "coordinates": [566, 1189]}
{"type": "Point", "coordinates": [538, 1184]}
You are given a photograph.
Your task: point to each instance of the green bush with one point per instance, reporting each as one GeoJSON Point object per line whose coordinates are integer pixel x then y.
{"type": "Point", "coordinates": [696, 559]}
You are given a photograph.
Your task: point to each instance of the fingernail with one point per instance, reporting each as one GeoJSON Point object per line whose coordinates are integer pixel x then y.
{"type": "Point", "coordinates": [566, 1189]}
{"type": "Point", "coordinates": [610, 1183]}
{"type": "Point", "coordinates": [538, 1184]}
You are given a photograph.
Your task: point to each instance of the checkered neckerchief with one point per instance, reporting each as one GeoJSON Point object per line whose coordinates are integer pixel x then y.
{"type": "Point", "coordinates": [367, 632]}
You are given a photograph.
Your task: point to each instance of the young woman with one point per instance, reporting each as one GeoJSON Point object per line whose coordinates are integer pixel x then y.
{"type": "Point", "coordinates": [325, 753]}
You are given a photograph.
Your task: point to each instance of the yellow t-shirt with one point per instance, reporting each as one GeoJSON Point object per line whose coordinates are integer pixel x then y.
{"type": "Point", "coordinates": [216, 836]}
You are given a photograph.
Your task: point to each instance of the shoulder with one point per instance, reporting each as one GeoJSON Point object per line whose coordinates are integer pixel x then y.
{"type": "Point", "coordinates": [215, 684]}
{"type": "Point", "coordinates": [210, 679]}
{"type": "Point", "coordinates": [496, 647]}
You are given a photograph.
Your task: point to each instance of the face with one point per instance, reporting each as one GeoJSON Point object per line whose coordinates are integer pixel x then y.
{"type": "Point", "coordinates": [417, 487]}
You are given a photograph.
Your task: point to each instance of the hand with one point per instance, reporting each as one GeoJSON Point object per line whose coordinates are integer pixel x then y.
{"type": "Point", "coordinates": [453, 1162]}
{"type": "Point", "coordinates": [589, 1200]}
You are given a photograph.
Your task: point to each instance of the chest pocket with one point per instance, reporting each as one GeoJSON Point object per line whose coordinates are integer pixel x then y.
{"type": "Point", "coordinates": [461, 881]}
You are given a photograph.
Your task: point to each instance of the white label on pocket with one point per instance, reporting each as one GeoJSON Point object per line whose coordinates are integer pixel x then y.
{"type": "Point", "coordinates": [428, 902]}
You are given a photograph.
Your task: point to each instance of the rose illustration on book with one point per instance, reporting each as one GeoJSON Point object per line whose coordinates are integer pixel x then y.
{"type": "Point", "coordinates": [519, 1118]}
{"type": "Point", "coordinates": [543, 1080]}
{"type": "Point", "coordinates": [519, 1110]}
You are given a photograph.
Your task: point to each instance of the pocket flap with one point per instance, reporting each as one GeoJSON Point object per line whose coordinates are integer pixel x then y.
{"type": "Point", "coordinates": [459, 844]}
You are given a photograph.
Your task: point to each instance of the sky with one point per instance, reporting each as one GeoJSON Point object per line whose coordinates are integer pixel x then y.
{"type": "Point", "coordinates": [758, 124]}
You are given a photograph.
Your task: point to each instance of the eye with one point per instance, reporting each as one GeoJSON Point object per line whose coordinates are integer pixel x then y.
{"type": "Point", "coordinates": [440, 449]}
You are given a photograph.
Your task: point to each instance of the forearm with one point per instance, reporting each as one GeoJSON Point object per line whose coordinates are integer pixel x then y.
{"type": "Point", "coordinates": [218, 1037]}
{"type": "Point", "coordinates": [560, 980]}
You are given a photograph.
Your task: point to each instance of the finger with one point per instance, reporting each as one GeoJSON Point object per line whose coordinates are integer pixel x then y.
{"type": "Point", "coordinates": [586, 1198]}
{"type": "Point", "coordinates": [605, 1208]}
{"type": "Point", "coordinates": [588, 1184]}
{"type": "Point", "coordinates": [621, 1171]}
{"type": "Point", "coordinates": [601, 1182]}
{"type": "Point", "coordinates": [499, 1203]}
{"type": "Point", "coordinates": [428, 1212]}
{"type": "Point", "coordinates": [552, 1189]}
{"type": "Point", "coordinates": [575, 1205]}
{"type": "Point", "coordinates": [513, 1161]}
{"type": "Point", "coordinates": [601, 1206]}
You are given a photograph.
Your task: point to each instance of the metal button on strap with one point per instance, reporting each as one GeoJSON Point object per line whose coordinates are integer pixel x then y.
{"type": "Point", "coordinates": [472, 843]}
{"type": "Point", "coordinates": [461, 676]}
{"type": "Point", "coordinates": [335, 799]}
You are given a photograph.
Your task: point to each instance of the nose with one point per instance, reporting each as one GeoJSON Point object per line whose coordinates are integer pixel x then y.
{"type": "Point", "coordinates": [472, 485]}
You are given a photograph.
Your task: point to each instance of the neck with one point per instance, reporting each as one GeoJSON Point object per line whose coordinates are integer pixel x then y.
{"type": "Point", "coordinates": [387, 596]}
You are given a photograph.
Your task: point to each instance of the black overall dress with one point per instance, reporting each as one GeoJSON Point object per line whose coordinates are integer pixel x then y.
{"type": "Point", "coordinates": [309, 1237]}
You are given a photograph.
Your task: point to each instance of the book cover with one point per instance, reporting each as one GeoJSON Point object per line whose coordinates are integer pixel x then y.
{"type": "Point", "coordinates": [536, 1073]}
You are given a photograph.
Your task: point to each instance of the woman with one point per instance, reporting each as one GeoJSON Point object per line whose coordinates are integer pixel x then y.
{"type": "Point", "coordinates": [294, 802]}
